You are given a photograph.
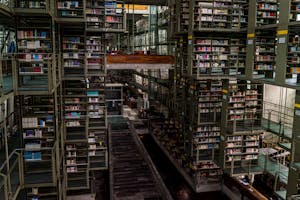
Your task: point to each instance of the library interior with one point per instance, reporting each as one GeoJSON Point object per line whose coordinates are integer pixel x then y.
{"type": "Point", "coordinates": [149, 99]}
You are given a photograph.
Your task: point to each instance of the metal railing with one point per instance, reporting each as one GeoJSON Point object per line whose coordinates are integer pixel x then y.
{"type": "Point", "coordinates": [10, 172]}
{"type": "Point", "coordinates": [278, 113]}
{"type": "Point", "coordinates": [6, 3]}
{"type": "Point", "coordinates": [13, 170]}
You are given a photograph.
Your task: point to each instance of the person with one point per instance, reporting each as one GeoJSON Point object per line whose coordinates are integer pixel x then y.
{"type": "Point", "coordinates": [246, 179]}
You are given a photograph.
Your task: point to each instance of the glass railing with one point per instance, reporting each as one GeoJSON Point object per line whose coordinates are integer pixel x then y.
{"type": "Point", "coordinates": [278, 119]}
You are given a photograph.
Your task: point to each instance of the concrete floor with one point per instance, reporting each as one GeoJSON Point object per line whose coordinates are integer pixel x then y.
{"type": "Point", "coordinates": [82, 197]}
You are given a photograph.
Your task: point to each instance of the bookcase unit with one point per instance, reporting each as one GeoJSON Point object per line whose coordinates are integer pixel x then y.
{"type": "Point", "coordinates": [184, 16]}
{"type": "Point", "coordinates": [237, 56]}
{"type": "Point", "coordinates": [97, 123]}
{"type": "Point", "coordinates": [204, 111]}
{"type": "Point", "coordinates": [73, 63]}
{"type": "Point", "coordinates": [211, 56]}
{"type": "Point", "coordinates": [76, 163]}
{"type": "Point", "coordinates": [295, 10]}
{"type": "Point", "coordinates": [293, 60]}
{"type": "Point", "coordinates": [220, 14]}
{"type": "Point", "coordinates": [242, 130]}
{"type": "Point", "coordinates": [95, 54]}
{"type": "Point", "coordinates": [114, 15]}
{"type": "Point", "coordinates": [32, 4]}
{"type": "Point", "coordinates": [76, 140]}
{"type": "Point", "coordinates": [70, 9]}
{"type": "Point", "coordinates": [114, 99]}
{"type": "Point", "coordinates": [42, 193]}
{"type": "Point", "coordinates": [106, 15]}
{"type": "Point", "coordinates": [97, 114]}
{"type": "Point", "coordinates": [242, 151]}
{"type": "Point", "coordinates": [267, 12]}
{"type": "Point", "coordinates": [34, 59]}
{"type": "Point", "coordinates": [219, 56]}
{"type": "Point", "coordinates": [95, 14]}
{"type": "Point", "coordinates": [244, 108]}
{"type": "Point", "coordinates": [38, 130]}
{"type": "Point", "coordinates": [265, 53]}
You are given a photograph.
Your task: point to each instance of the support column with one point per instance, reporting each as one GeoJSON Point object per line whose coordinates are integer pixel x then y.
{"type": "Point", "coordinates": [225, 93]}
{"type": "Point", "coordinates": [294, 169]}
{"type": "Point", "coordinates": [282, 47]}
{"type": "Point", "coordinates": [250, 49]}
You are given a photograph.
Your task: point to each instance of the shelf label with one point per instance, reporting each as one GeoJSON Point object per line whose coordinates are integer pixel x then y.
{"type": "Point", "coordinates": [225, 91]}
{"type": "Point", "coordinates": [250, 35]}
{"type": "Point", "coordinates": [250, 42]}
{"type": "Point", "coordinates": [222, 138]}
{"type": "Point", "coordinates": [281, 40]}
{"type": "Point", "coordinates": [282, 32]}
{"type": "Point", "coordinates": [297, 112]}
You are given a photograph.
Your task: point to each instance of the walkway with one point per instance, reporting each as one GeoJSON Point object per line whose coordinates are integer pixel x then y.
{"type": "Point", "coordinates": [131, 177]}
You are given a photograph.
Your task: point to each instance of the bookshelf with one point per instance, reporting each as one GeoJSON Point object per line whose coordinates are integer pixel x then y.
{"type": "Point", "coordinates": [73, 63]}
{"type": "Point", "coordinates": [171, 138]}
{"type": "Point", "coordinates": [34, 56]}
{"type": "Point", "coordinates": [239, 14]}
{"type": "Point", "coordinates": [97, 123]}
{"type": "Point", "coordinates": [265, 53]}
{"type": "Point", "coordinates": [220, 14]}
{"type": "Point", "coordinates": [74, 97]}
{"type": "Point", "coordinates": [75, 137]}
{"type": "Point", "coordinates": [292, 68]}
{"type": "Point", "coordinates": [95, 55]}
{"type": "Point", "coordinates": [76, 165]}
{"type": "Point", "coordinates": [184, 16]}
{"type": "Point", "coordinates": [95, 14]}
{"type": "Point", "coordinates": [204, 108]}
{"type": "Point", "coordinates": [96, 106]}
{"type": "Point", "coordinates": [267, 12]}
{"type": "Point", "coordinates": [38, 121]}
{"type": "Point", "coordinates": [244, 110]}
{"type": "Point", "coordinates": [114, 15]}
{"type": "Point", "coordinates": [211, 15]}
{"type": "Point", "coordinates": [114, 99]}
{"type": "Point", "coordinates": [32, 4]}
{"type": "Point", "coordinates": [242, 131]}
{"type": "Point", "coordinates": [105, 15]}
{"type": "Point", "coordinates": [36, 193]}
{"type": "Point", "coordinates": [242, 150]}
{"type": "Point", "coordinates": [70, 9]}
{"type": "Point", "coordinates": [38, 132]}
{"type": "Point", "coordinates": [211, 56]}
{"type": "Point", "coordinates": [237, 56]}
{"type": "Point", "coordinates": [294, 11]}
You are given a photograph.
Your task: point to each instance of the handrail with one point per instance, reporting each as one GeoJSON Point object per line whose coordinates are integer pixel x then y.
{"type": "Point", "coordinates": [6, 3]}
{"type": "Point", "coordinates": [5, 175]}
{"type": "Point", "coordinates": [277, 105]}
{"type": "Point", "coordinates": [9, 157]}
{"type": "Point", "coordinates": [15, 152]}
